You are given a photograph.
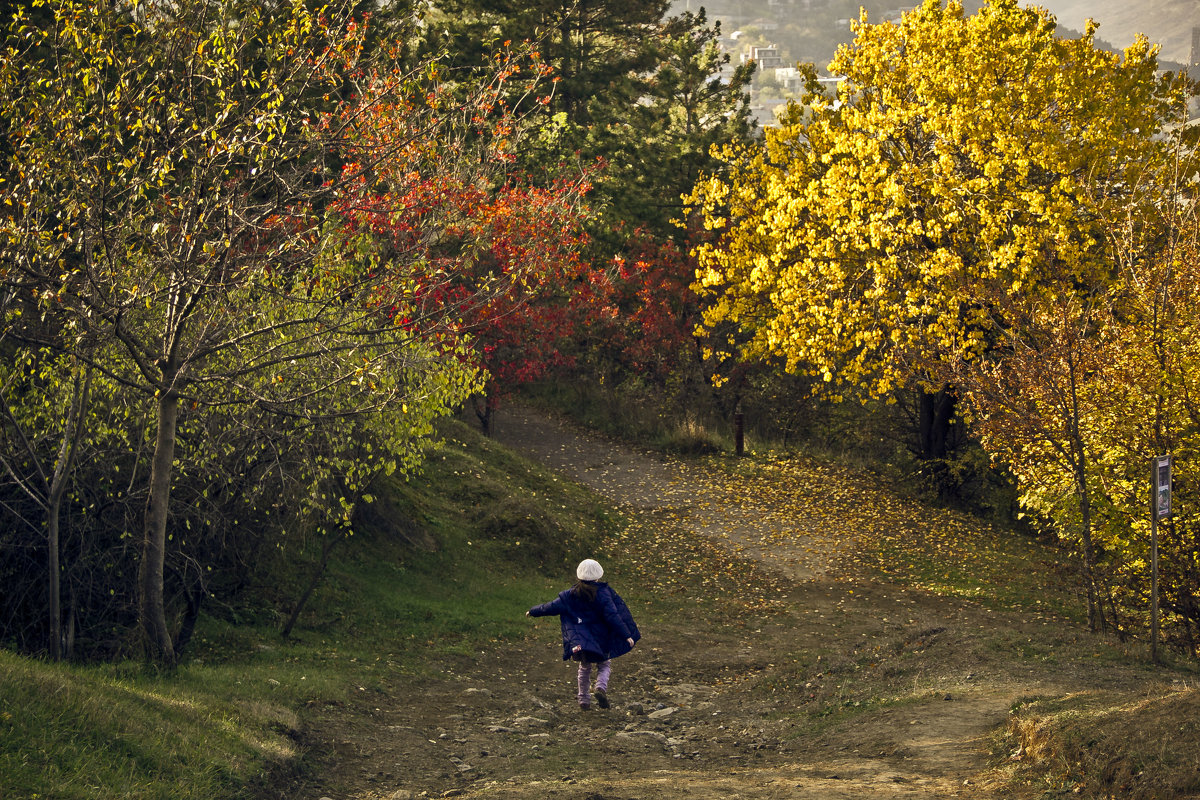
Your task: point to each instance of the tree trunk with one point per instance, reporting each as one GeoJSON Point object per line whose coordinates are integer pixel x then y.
{"type": "Point", "coordinates": [1095, 612]}
{"type": "Point", "coordinates": [486, 415]}
{"type": "Point", "coordinates": [151, 607]}
{"type": "Point", "coordinates": [54, 581]}
{"type": "Point", "coordinates": [195, 599]}
{"type": "Point", "coordinates": [934, 423]}
{"type": "Point", "coordinates": [54, 495]}
{"type": "Point", "coordinates": [739, 430]}
{"type": "Point", "coordinates": [72, 624]}
{"type": "Point", "coordinates": [1089, 551]}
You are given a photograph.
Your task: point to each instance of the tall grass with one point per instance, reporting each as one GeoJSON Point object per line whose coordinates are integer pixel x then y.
{"type": "Point", "coordinates": [1138, 746]}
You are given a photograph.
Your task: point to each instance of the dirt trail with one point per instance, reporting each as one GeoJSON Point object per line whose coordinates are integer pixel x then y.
{"type": "Point", "coordinates": [850, 690]}
{"type": "Point", "coordinates": [647, 482]}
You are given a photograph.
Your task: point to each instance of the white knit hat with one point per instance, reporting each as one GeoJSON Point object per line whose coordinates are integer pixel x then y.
{"type": "Point", "coordinates": [589, 570]}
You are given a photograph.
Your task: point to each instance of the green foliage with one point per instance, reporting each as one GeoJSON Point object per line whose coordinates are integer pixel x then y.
{"type": "Point", "coordinates": [633, 89]}
{"type": "Point", "coordinates": [157, 160]}
{"type": "Point", "coordinates": [657, 135]}
{"type": "Point", "coordinates": [170, 229]}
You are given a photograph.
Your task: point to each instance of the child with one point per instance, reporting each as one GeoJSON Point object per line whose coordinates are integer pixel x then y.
{"type": "Point", "coordinates": [596, 628]}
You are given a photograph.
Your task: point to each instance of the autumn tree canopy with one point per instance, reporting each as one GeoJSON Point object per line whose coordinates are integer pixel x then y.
{"type": "Point", "coordinates": [638, 99]}
{"type": "Point", "coordinates": [958, 151]}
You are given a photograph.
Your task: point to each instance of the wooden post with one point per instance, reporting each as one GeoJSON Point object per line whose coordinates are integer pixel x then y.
{"type": "Point", "coordinates": [1154, 577]}
{"type": "Point", "coordinates": [1160, 508]}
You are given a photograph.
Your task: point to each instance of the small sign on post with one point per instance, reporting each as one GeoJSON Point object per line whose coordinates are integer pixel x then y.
{"type": "Point", "coordinates": [1162, 487]}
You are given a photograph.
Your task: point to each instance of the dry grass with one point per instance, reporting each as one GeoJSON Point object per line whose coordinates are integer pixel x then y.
{"type": "Point", "coordinates": [1105, 744]}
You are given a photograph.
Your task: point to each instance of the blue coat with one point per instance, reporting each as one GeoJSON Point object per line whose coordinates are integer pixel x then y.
{"type": "Point", "coordinates": [602, 627]}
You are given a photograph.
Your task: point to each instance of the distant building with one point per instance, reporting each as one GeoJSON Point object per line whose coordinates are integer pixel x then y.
{"type": "Point", "coordinates": [789, 78]}
{"type": "Point", "coordinates": [766, 57]}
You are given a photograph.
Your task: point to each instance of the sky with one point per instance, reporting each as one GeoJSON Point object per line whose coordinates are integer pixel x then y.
{"type": "Point", "coordinates": [1167, 22]}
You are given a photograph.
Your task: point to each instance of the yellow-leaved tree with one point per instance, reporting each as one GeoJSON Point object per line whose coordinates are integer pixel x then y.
{"type": "Point", "coordinates": [961, 183]}
{"type": "Point", "coordinates": [958, 150]}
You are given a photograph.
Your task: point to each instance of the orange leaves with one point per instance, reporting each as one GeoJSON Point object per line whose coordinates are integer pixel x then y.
{"type": "Point", "coordinates": [465, 244]}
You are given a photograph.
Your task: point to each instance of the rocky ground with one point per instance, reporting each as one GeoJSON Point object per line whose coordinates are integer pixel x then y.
{"type": "Point", "coordinates": [812, 684]}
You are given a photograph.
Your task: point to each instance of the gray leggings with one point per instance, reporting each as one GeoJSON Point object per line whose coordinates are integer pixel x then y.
{"type": "Point", "coordinates": [585, 678]}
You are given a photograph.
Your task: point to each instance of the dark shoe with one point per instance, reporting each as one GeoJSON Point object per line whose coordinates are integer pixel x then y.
{"type": "Point", "coordinates": [601, 698]}
{"type": "Point", "coordinates": [584, 707]}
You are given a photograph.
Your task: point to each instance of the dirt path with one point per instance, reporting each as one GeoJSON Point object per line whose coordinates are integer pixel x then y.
{"type": "Point", "coordinates": [646, 482]}
{"type": "Point", "coordinates": [836, 689]}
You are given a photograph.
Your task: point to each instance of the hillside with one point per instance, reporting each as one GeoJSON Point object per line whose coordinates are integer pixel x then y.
{"type": "Point", "coordinates": [808, 633]}
{"type": "Point", "coordinates": [1168, 22]}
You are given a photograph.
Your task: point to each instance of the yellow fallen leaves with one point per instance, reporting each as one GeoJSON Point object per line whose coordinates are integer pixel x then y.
{"type": "Point", "coordinates": [743, 536]}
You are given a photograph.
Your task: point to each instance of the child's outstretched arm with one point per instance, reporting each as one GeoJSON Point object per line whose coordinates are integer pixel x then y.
{"type": "Point", "coordinates": [554, 608]}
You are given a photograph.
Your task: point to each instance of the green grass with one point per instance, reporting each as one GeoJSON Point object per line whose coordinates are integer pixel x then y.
{"type": "Point", "coordinates": [998, 568]}
{"type": "Point", "coordinates": [231, 713]}
{"type": "Point", "coordinates": [115, 731]}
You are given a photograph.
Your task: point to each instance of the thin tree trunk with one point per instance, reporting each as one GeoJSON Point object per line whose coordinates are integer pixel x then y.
{"type": "Point", "coordinates": [487, 414]}
{"type": "Point", "coordinates": [195, 599]}
{"type": "Point", "coordinates": [151, 606]}
{"type": "Point", "coordinates": [326, 548]}
{"type": "Point", "coordinates": [1089, 551]}
{"type": "Point", "coordinates": [1094, 611]}
{"type": "Point", "coordinates": [54, 495]}
{"type": "Point", "coordinates": [54, 582]}
{"type": "Point", "coordinates": [72, 624]}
